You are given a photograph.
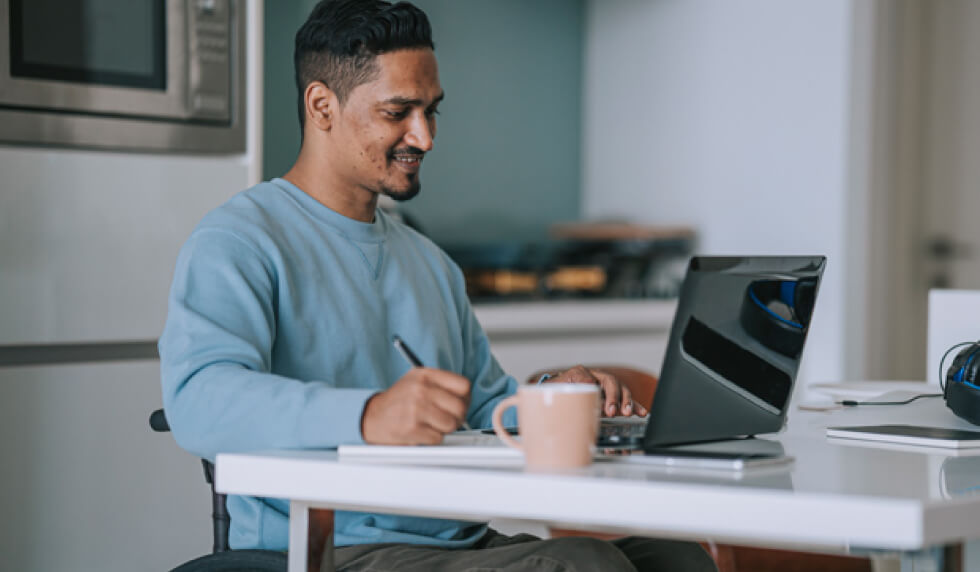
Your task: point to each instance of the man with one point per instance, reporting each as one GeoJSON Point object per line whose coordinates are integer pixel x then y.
{"type": "Point", "coordinates": [286, 298]}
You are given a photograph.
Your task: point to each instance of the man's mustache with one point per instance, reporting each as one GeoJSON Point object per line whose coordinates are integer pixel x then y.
{"type": "Point", "coordinates": [406, 151]}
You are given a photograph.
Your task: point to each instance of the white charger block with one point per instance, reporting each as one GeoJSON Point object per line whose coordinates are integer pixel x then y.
{"type": "Point", "coordinates": [954, 317]}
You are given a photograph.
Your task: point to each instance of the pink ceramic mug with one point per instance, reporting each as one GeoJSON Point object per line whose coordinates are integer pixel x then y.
{"type": "Point", "coordinates": [559, 423]}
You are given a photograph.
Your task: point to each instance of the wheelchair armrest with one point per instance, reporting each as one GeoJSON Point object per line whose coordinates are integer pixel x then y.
{"type": "Point", "coordinates": [158, 421]}
{"type": "Point", "coordinates": [220, 519]}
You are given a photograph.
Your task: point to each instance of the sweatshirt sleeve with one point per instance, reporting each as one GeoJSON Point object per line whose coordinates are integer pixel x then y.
{"type": "Point", "coordinates": [215, 360]}
{"type": "Point", "coordinates": [490, 384]}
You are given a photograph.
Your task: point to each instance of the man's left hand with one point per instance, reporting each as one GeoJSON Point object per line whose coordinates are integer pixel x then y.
{"type": "Point", "coordinates": [617, 398]}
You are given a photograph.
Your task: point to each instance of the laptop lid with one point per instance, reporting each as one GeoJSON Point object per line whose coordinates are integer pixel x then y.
{"type": "Point", "coordinates": [735, 348]}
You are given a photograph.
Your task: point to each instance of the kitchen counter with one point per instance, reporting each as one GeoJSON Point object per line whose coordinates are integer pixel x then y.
{"type": "Point", "coordinates": [515, 318]}
{"type": "Point", "coordinates": [530, 336]}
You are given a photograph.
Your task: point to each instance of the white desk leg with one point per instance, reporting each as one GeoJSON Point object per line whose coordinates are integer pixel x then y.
{"type": "Point", "coordinates": [299, 530]}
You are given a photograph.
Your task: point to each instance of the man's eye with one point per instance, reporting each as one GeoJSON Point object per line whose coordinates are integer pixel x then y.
{"type": "Point", "coordinates": [396, 114]}
{"type": "Point", "coordinates": [432, 112]}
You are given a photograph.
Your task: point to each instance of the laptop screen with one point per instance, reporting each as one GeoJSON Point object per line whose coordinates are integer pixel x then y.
{"type": "Point", "coordinates": [735, 348]}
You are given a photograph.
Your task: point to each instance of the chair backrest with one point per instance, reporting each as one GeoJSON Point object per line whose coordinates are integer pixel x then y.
{"type": "Point", "coordinates": [220, 520]}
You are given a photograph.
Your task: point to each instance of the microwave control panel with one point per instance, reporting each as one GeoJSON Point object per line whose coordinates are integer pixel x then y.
{"type": "Point", "coordinates": [209, 40]}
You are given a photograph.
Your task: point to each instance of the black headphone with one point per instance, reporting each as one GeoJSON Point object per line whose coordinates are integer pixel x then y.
{"type": "Point", "coordinates": [783, 330]}
{"type": "Point", "coordinates": [961, 384]}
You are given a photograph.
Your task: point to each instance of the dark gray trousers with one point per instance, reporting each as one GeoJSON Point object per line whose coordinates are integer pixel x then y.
{"type": "Point", "coordinates": [526, 553]}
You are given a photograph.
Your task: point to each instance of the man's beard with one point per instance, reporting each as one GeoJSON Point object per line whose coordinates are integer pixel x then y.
{"type": "Point", "coordinates": [414, 186]}
{"type": "Point", "coordinates": [403, 195]}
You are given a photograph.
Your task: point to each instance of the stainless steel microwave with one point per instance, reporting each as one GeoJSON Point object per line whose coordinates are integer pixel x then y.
{"type": "Point", "coordinates": [154, 75]}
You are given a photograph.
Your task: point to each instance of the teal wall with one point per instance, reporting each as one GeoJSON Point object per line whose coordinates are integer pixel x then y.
{"type": "Point", "coordinates": [506, 161]}
{"type": "Point", "coordinates": [280, 135]}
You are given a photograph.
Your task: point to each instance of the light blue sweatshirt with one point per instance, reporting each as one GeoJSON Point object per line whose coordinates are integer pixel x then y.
{"type": "Point", "coordinates": [279, 329]}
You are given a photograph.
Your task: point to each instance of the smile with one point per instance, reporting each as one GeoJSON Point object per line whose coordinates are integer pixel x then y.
{"type": "Point", "coordinates": [408, 159]}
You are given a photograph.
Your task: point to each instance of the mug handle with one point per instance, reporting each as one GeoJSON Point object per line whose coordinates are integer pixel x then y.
{"type": "Point", "coordinates": [498, 422]}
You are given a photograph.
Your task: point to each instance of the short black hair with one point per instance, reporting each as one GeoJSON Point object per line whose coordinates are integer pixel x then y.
{"type": "Point", "coordinates": [339, 42]}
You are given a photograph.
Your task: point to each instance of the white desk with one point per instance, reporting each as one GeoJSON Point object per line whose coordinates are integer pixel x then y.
{"type": "Point", "coordinates": [834, 497]}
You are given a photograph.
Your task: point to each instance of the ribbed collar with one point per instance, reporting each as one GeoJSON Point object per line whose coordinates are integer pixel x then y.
{"type": "Point", "coordinates": [354, 229]}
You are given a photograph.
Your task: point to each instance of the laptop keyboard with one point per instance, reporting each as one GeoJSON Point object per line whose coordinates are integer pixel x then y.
{"type": "Point", "coordinates": [621, 431]}
{"type": "Point", "coordinates": [613, 431]}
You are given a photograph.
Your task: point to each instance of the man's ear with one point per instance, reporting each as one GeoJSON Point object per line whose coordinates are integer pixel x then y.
{"type": "Point", "coordinates": [321, 105]}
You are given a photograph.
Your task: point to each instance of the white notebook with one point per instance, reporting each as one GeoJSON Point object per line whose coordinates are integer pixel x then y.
{"type": "Point", "coordinates": [468, 448]}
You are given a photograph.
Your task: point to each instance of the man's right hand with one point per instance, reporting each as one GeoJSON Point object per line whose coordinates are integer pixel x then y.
{"type": "Point", "coordinates": [418, 409]}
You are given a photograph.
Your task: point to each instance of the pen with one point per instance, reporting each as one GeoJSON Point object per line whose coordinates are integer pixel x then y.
{"type": "Point", "coordinates": [413, 359]}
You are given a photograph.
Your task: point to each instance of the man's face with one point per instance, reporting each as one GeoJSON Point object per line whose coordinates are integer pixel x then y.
{"type": "Point", "coordinates": [385, 127]}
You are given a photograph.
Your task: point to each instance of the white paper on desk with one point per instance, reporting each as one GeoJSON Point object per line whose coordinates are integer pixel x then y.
{"type": "Point", "coordinates": [465, 448]}
{"type": "Point", "coordinates": [868, 390]}
{"type": "Point", "coordinates": [826, 396]}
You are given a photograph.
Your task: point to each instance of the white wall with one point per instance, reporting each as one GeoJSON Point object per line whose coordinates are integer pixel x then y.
{"type": "Point", "coordinates": [733, 117]}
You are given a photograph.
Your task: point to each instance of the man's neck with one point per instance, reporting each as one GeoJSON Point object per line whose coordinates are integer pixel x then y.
{"type": "Point", "coordinates": [315, 180]}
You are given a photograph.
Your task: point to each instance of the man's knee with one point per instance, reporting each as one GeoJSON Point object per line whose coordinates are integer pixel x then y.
{"type": "Point", "coordinates": [648, 554]}
{"type": "Point", "coordinates": [582, 553]}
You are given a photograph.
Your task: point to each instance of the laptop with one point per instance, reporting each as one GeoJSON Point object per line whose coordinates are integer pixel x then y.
{"type": "Point", "coordinates": [735, 348]}
{"type": "Point", "coordinates": [733, 354]}
{"type": "Point", "coordinates": [732, 357]}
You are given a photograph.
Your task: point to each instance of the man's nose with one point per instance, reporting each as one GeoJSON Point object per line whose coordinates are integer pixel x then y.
{"type": "Point", "coordinates": [420, 134]}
